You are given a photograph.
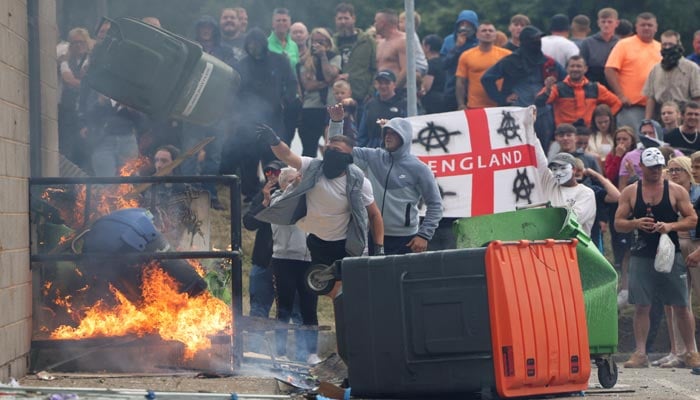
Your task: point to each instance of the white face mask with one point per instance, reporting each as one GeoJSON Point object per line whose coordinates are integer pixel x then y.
{"type": "Point", "coordinates": [562, 173]}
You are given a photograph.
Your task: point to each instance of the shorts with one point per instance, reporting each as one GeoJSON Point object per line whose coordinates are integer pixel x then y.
{"type": "Point", "coordinates": [645, 282]}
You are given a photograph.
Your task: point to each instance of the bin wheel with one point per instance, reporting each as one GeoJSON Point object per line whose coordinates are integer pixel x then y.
{"type": "Point", "coordinates": [319, 279]}
{"type": "Point", "coordinates": [607, 373]}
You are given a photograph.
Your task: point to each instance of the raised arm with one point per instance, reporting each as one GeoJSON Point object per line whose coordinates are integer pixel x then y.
{"type": "Point", "coordinates": [278, 147]}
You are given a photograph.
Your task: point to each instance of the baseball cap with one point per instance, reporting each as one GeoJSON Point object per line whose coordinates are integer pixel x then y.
{"type": "Point", "coordinates": [559, 23]}
{"type": "Point", "coordinates": [274, 165]}
{"type": "Point", "coordinates": [530, 32]}
{"type": "Point", "coordinates": [652, 157]}
{"type": "Point", "coordinates": [385, 74]}
{"type": "Point", "coordinates": [563, 159]}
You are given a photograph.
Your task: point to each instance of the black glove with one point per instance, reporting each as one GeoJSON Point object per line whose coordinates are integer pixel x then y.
{"type": "Point", "coordinates": [267, 135]}
{"type": "Point", "coordinates": [378, 250]}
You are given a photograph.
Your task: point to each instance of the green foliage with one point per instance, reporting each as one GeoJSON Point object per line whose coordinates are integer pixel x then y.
{"type": "Point", "coordinates": [438, 16]}
{"type": "Point", "coordinates": [218, 280]}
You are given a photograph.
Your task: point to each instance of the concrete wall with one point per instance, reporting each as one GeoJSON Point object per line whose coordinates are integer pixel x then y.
{"type": "Point", "coordinates": [15, 274]}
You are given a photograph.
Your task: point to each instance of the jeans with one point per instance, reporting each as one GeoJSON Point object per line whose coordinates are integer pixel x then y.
{"type": "Point", "coordinates": [631, 116]}
{"type": "Point", "coordinates": [112, 152]}
{"type": "Point", "coordinates": [261, 290]}
{"type": "Point", "coordinates": [289, 281]}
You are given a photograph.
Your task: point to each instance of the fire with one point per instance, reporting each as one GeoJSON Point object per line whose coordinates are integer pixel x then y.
{"type": "Point", "coordinates": [104, 199]}
{"type": "Point", "coordinates": [197, 267]}
{"type": "Point", "coordinates": [164, 311]}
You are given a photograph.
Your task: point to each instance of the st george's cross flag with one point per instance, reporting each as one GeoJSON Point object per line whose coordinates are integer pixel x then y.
{"type": "Point", "coordinates": [483, 159]}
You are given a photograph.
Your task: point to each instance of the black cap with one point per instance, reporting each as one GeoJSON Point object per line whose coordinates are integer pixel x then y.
{"type": "Point", "coordinates": [385, 74]}
{"type": "Point", "coordinates": [559, 23]}
{"type": "Point", "coordinates": [530, 32]}
{"type": "Point", "coordinates": [274, 164]}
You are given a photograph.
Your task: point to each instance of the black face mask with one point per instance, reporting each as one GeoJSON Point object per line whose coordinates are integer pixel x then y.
{"type": "Point", "coordinates": [335, 163]}
{"type": "Point", "coordinates": [533, 45]}
{"type": "Point", "coordinates": [670, 57]}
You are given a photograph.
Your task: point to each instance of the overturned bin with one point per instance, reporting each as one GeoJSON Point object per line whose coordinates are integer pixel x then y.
{"type": "Point", "coordinates": [598, 277]}
{"type": "Point", "coordinates": [507, 319]}
{"type": "Point", "coordinates": [160, 73]}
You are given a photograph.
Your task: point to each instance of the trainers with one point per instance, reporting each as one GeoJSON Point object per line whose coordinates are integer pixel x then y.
{"type": "Point", "coordinates": [622, 298]}
{"type": "Point", "coordinates": [691, 359]}
{"type": "Point", "coordinates": [663, 360]}
{"type": "Point", "coordinates": [674, 362]}
{"type": "Point", "coordinates": [313, 359]}
{"type": "Point", "coordinates": [637, 360]}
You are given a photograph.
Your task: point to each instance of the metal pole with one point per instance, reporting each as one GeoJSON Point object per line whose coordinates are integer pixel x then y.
{"type": "Point", "coordinates": [411, 58]}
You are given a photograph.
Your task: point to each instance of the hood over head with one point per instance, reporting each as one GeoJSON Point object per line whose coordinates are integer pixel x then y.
{"type": "Point", "coordinates": [257, 36]}
{"type": "Point", "coordinates": [404, 128]}
{"type": "Point", "coordinates": [657, 128]}
{"type": "Point", "coordinates": [208, 20]}
{"type": "Point", "coordinates": [469, 16]}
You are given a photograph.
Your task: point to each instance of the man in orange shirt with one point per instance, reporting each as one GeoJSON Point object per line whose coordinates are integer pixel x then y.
{"type": "Point", "coordinates": [472, 65]}
{"type": "Point", "coordinates": [575, 98]}
{"type": "Point", "coordinates": [628, 67]}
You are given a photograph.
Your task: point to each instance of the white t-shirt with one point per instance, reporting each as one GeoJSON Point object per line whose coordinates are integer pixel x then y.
{"type": "Point", "coordinates": [580, 198]}
{"type": "Point", "coordinates": [559, 48]}
{"type": "Point", "coordinates": [327, 206]}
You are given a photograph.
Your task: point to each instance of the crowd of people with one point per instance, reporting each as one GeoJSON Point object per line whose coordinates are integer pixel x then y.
{"type": "Point", "coordinates": [616, 130]}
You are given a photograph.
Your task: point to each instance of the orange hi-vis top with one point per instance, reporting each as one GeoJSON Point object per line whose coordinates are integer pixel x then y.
{"type": "Point", "coordinates": [572, 101]}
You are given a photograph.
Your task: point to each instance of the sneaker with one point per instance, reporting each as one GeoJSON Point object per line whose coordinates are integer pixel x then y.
{"type": "Point", "coordinates": [637, 360]}
{"type": "Point", "coordinates": [313, 359]}
{"type": "Point", "coordinates": [622, 298]}
{"type": "Point", "coordinates": [663, 360]}
{"type": "Point", "coordinates": [691, 359]}
{"type": "Point", "coordinates": [674, 362]}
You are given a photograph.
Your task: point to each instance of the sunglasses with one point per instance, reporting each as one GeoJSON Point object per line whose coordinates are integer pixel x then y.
{"type": "Point", "coordinates": [272, 172]}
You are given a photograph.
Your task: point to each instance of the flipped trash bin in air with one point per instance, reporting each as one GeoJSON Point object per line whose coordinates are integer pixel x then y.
{"type": "Point", "coordinates": [160, 73]}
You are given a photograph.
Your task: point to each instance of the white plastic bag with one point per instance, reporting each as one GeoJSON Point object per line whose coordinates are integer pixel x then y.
{"type": "Point", "coordinates": [665, 254]}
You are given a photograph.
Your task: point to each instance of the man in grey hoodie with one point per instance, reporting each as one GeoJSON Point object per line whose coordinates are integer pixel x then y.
{"type": "Point", "coordinates": [399, 182]}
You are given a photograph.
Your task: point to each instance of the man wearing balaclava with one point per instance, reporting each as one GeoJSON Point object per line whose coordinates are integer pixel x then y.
{"type": "Point", "coordinates": [524, 72]}
{"type": "Point", "coordinates": [674, 78]}
{"type": "Point", "coordinates": [267, 83]}
{"type": "Point", "coordinates": [333, 203]}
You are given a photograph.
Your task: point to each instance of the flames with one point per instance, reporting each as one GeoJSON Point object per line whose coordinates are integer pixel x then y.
{"type": "Point", "coordinates": [163, 311]}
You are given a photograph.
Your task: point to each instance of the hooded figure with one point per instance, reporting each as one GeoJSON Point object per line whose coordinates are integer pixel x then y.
{"type": "Point", "coordinates": [472, 18]}
{"type": "Point", "coordinates": [399, 182]}
{"type": "Point", "coordinates": [524, 72]}
{"type": "Point", "coordinates": [467, 22]}
{"type": "Point", "coordinates": [207, 34]}
{"type": "Point", "coordinates": [267, 81]}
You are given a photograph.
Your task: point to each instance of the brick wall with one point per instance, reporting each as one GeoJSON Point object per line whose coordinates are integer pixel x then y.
{"type": "Point", "coordinates": [15, 273]}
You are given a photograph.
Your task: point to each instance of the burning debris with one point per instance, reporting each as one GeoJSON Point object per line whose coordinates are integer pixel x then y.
{"type": "Point", "coordinates": [129, 280]}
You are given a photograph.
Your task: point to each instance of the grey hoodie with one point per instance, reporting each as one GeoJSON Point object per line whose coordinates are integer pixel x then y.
{"type": "Point", "coordinates": [399, 181]}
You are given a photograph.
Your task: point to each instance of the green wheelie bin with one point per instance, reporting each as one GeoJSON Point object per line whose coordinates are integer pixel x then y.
{"type": "Point", "coordinates": [598, 277]}
{"type": "Point", "coordinates": [160, 73]}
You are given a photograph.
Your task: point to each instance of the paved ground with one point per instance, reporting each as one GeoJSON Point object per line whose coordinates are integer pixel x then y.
{"type": "Point", "coordinates": [648, 384]}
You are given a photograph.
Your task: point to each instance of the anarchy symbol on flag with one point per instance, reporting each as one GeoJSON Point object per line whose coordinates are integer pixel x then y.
{"type": "Point", "coordinates": [484, 158]}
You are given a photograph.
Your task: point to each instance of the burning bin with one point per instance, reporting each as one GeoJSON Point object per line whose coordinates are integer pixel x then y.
{"type": "Point", "coordinates": [160, 73]}
{"type": "Point", "coordinates": [598, 277]}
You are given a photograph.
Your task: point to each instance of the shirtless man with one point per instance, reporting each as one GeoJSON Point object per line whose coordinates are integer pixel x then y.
{"type": "Point", "coordinates": [391, 49]}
